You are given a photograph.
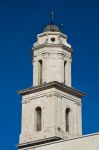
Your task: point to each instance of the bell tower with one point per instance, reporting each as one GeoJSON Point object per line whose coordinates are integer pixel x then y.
{"type": "Point", "coordinates": [51, 108]}
{"type": "Point", "coordinates": [52, 57]}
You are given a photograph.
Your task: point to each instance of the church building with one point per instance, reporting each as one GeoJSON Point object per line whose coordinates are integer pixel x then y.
{"type": "Point", "coordinates": [52, 108]}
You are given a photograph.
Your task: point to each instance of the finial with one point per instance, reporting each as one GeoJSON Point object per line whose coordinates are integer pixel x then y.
{"type": "Point", "coordinates": [52, 16]}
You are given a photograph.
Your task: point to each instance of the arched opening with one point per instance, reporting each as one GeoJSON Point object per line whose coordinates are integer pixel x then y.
{"type": "Point", "coordinates": [67, 119]}
{"type": "Point", "coordinates": [64, 71]}
{"type": "Point", "coordinates": [38, 121]}
{"type": "Point", "coordinates": [40, 72]}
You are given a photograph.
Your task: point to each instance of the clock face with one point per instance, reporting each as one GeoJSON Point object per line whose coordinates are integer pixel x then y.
{"type": "Point", "coordinates": [53, 39]}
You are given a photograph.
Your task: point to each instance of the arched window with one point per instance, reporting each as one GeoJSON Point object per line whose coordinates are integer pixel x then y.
{"type": "Point", "coordinates": [67, 119]}
{"type": "Point", "coordinates": [38, 119]}
{"type": "Point", "coordinates": [40, 72]}
{"type": "Point", "coordinates": [64, 71]}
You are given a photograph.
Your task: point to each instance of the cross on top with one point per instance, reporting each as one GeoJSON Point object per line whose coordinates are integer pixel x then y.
{"type": "Point", "coordinates": [52, 16]}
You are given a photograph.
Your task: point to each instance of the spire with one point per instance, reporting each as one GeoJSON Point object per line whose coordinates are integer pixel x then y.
{"type": "Point", "coordinates": [52, 26]}
{"type": "Point", "coordinates": [52, 16]}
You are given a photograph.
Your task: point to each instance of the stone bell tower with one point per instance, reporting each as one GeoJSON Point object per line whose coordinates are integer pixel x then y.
{"type": "Point", "coordinates": [52, 57]}
{"type": "Point", "coordinates": [51, 109]}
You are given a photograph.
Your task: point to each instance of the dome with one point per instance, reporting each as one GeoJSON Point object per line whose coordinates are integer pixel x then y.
{"type": "Point", "coordinates": [52, 28]}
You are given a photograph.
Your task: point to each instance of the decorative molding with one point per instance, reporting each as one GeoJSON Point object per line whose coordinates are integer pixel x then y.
{"type": "Point", "coordinates": [45, 54]}
{"type": "Point", "coordinates": [78, 103]}
{"type": "Point", "coordinates": [54, 94]}
{"type": "Point", "coordinates": [48, 95]}
{"type": "Point", "coordinates": [34, 59]}
{"type": "Point", "coordinates": [57, 85]}
{"type": "Point", "coordinates": [65, 47]}
{"type": "Point", "coordinates": [25, 101]}
{"type": "Point", "coordinates": [61, 55]}
{"type": "Point", "coordinates": [60, 96]}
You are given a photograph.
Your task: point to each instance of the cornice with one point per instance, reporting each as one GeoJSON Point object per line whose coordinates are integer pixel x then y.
{"type": "Point", "coordinates": [69, 49]}
{"type": "Point", "coordinates": [52, 33]}
{"type": "Point", "coordinates": [49, 85]}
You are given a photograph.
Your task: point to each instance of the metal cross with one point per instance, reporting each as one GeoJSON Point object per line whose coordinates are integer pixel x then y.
{"type": "Point", "coordinates": [52, 15]}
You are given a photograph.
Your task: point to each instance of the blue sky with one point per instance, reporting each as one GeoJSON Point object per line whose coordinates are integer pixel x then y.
{"type": "Point", "coordinates": [20, 21]}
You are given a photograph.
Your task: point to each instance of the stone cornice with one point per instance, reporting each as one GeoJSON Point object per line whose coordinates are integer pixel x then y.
{"type": "Point", "coordinates": [69, 49]}
{"type": "Point", "coordinates": [49, 85]}
{"type": "Point", "coordinates": [38, 142]}
{"type": "Point", "coordinates": [52, 33]}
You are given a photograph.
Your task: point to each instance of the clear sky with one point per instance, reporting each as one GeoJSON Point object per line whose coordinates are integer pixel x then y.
{"type": "Point", "coordinates": [20, 21]}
